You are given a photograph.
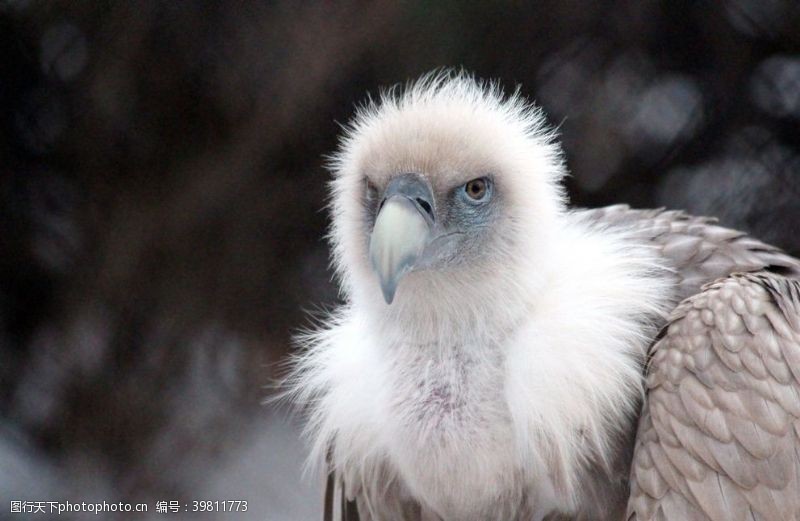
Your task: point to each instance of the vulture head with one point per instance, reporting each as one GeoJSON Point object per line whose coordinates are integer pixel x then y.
{"type": "Point", "coordinates": [439, 194]}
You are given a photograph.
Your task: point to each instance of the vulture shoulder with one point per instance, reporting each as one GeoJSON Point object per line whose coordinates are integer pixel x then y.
{"type": "Point", "coordinates": [719, 435]}
{"type": "Point", "coordinates": [696, 248]}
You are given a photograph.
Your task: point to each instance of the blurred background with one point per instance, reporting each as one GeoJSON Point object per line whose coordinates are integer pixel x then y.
{"type": "Point", "coordinates": [162, 194]}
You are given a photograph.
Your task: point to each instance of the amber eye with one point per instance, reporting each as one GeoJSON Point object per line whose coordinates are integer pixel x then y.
{"type": "Point", "coordinates": [476, 189]}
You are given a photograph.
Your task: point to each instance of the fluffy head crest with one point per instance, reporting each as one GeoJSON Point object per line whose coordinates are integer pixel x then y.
{"type": "Point", "coordinates": [454, 111]}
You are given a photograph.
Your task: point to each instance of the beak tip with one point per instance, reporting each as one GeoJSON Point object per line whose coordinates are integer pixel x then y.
{"type": "Point", "coordinates": [388, 290]}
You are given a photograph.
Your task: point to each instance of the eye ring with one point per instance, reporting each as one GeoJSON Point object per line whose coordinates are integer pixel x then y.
{"type": "Point", "coordinates": [477, 189]}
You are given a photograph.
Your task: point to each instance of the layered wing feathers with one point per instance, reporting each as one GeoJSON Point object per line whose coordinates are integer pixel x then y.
{"type": "Point", "coordinates": [719, 437]}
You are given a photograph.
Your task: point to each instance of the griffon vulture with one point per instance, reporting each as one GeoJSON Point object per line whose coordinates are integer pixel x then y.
{"type": "Point", "coordinates": [500, 356]}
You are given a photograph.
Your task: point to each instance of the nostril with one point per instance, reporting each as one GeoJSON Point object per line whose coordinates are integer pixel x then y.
{"type": "Point", "coordinates": [425, 205]}
{"type": "Point", "coordinates": [380, 206]}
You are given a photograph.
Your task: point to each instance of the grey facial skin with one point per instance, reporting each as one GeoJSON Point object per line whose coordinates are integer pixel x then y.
{"type": "Point", "coordinates": [408, 234]}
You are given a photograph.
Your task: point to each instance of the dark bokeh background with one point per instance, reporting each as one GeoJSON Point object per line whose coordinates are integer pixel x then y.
{"type": "Point", "coordinates": [162, 194]}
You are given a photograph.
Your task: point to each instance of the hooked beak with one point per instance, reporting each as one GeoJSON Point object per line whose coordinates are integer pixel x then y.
{"type": "Point", "coordinates": [401, 232]}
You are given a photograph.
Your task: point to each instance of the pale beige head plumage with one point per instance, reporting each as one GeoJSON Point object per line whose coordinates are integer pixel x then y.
{"type": "Point", "coordinates": [447, 129]}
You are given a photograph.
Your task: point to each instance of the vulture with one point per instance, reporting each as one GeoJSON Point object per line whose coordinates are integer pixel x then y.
{"type": "Point", "coordinates": [499, 355]}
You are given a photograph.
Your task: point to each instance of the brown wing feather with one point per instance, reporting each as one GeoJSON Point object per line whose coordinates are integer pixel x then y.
{"type": "Point", "coordinates": [345, 502]}
{"type": "Point", "coordinates": [719, 437]}
{"type": "Point", "coordinates": [349, 509]}
{"type": "Point", "coordinates": [330, 489]}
